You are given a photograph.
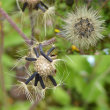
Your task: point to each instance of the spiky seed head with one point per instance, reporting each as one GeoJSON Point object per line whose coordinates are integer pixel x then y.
{"type": "Point", "coordinates": [83, 27]}
{"type": "Point", "coordinates": [44, 67]}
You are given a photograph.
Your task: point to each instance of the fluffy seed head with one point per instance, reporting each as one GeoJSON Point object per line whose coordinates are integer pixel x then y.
{"type": "Point", "coordinates": [83, 27]}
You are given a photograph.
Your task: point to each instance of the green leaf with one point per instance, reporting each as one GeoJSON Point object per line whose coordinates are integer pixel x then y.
{"type": "Point", "coordinates": [61, 96]}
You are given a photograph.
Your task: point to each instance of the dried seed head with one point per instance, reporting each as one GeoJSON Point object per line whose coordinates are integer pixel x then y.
{"type": "Point", "coordinates": [47, 16]}
{"type": "Point", "coordinates": [42, 79]}
{"type": "Point", "coordinates": [30, 1]}
{"type": "Point", "coordinates": [83, 28]}
{"type": "Point", "coordinates": [44, 67]}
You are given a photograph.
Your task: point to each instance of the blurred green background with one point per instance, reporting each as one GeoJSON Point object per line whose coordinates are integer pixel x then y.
{"type": "Point", "coordinates": [86, 79]}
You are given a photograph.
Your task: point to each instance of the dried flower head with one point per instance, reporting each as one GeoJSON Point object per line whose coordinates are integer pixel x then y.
{"type": "Point", "coordinates": [32, 5]}
{"type": "Point", "coordinates": [83, 27]}
{"type": "Point", "coordinates": [47, 16]}
{"type": "Point", "coordinates": [43, 76]}
{"type": "Point", "coordinates": [30, 1]}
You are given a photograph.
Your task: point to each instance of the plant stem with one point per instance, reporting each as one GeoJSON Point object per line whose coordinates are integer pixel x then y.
{"type": "Point", "coordinates": [76, 2]}
{"type": "Point", "coordinates": [4, 14]}
{"type": "Point", "coordinates": [49, 42]}
{"type": "Point", "coordinates": [32, 25]}
{"type": "Point", "coordinates": [88, 3]}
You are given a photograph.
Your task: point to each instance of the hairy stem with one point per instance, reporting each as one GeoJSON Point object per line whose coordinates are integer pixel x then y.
{"type": "Point", "coordinates": [32, 25]}
{"type": "Point", "coordinates": [49, 42]}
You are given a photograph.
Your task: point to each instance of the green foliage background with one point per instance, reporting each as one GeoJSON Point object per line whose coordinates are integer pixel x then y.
{"type": "Point", "coordinates": [86, 78]}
